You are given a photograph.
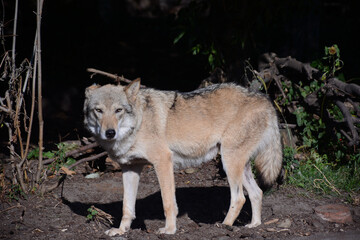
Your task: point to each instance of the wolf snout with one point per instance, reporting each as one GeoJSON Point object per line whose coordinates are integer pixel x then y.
{"type": "Point", "coordinates": [110, 133]}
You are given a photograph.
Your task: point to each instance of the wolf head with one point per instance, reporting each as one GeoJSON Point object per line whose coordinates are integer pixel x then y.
{"type": "Point", "coordinates": [110, 110]}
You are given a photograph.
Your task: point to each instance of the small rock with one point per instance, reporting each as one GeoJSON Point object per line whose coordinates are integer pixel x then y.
{"type": "Point", "coordinates": [286, 223]}
{"type": "Point", "coordinates": [93, 175]}
{"type": "Point", "coordinates": [190, 170]}
{"type": "Point", "coordinates": [334, 213]}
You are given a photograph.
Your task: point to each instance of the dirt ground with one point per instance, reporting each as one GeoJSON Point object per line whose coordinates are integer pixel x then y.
{"type": "Point", "coordinates": [202, 195]}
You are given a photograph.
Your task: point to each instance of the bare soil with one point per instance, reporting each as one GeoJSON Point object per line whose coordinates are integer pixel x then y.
{"type": "Point", "coordinates": [203, 198]}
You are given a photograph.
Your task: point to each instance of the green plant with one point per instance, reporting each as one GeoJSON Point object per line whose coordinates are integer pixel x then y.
{"type": "Point", "coordinates": [310, 107]}
{"type": "Point", "coordinates": [60, 156]}
{"type": "Point", "coordinates": [34, 154]}
{"type": "Point", "coordinates": [317, 174]}
{"type": "Point", "coordinates": [290, 163]}
{"type": "Point", "coordinates": [330, 63]}
{"type": "Point", "coordinates": [15, 192]}
{"type": "Point", "coordinates": [91, 213]}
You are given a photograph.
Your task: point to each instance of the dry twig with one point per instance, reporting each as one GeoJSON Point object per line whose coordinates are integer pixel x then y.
{"type": "Point", "coordinates": [117, 78]}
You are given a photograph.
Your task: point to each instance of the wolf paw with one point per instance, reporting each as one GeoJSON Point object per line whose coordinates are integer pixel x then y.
{"type": "Point", "coordinates": [252, 225]}
{"type": "Point", "coordinates": [114, 231]}
{"type": "Point", "coordinates": [168, 230]}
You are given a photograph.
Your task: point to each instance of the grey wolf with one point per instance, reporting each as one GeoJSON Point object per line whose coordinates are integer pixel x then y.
{"type": "Point", "coordinates": [171, 129]}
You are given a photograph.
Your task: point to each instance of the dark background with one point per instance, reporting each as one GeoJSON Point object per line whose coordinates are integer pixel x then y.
{"type": "Point", "coordinates": [135, 38]}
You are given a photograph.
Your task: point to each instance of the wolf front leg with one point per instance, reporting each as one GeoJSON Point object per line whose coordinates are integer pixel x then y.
{"type": "Point", "coordinates": [131, 177]}
{"type": "Point", "coordinates": [165, 173]}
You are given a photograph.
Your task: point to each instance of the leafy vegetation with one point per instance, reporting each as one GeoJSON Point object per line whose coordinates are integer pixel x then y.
{"type": "Point", "coordinates": [317, 173]}
{"type": "Point", "coordinates": [92, 213]}
{"type": "Point", "coordinates": [313, 127]}
{"type": "Point", "coordinates": [59, 155]}
{"type": "Point", "coordinates": [323, 163]}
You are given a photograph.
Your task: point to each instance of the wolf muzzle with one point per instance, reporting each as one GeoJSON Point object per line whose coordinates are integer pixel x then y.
{"type": "Point", "coordinates": [110, 133]}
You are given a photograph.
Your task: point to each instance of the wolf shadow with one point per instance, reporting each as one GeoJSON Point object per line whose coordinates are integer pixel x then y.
{"type": "Point", "coordinates": [202, 205]}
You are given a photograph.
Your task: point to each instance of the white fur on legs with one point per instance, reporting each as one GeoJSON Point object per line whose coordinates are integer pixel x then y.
{"type": "Point", "coordinates": [131, 177]}
{"type": "Point", "coordinates": [255, 195]}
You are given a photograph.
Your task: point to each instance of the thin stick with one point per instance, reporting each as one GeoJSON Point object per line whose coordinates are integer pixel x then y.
{"type": "Point", "coordinates": [11, 145]}
{"type": "Point", "coordinates": [329, 183]}
{"type": "Point", "coordinates": [91, 158]}
{"type": "Point", "coordinates": [12, 207]}
{"type": "Point", "coordinates": [109, 75]}
{"type": "Point", "coordinates": [70, 153]}
{"type": "Point", "coordinates": [117, 78]}
{"type": "Point", "coordinates": [16, 118]}
{"type": "Point", "coordinates": [39, 77]}
{"type": "Point", "coordinates": [4, 109]}
{"type": "Point", "coordinates": [14, 40]}
{"type": "Point", "coordinates": [33, 94]}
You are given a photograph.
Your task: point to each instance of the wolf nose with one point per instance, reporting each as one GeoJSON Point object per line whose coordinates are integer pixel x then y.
{"type": "Point", "coordinates": [110, 133]}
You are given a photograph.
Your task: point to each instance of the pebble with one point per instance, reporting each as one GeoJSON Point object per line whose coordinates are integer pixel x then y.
{"type": "Point", "coordinates": [286, 223]}
{"type": "Point", "coordinates": [93, 175]}
{"type": "Point", "coordinates": [190, 170]}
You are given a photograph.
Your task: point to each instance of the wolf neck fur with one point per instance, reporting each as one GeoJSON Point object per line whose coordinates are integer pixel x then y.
{"type": "Point", "coordinates": [118, 148]}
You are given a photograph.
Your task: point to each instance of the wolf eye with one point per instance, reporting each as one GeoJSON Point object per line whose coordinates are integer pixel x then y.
{"type": "Point", "coordinates": [98, 110]}
{"type": "Point", "coordinates": [118, 110]}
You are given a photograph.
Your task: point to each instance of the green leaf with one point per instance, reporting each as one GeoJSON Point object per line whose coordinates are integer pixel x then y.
{"type": "Point", "coordinates": [33, 154]}
{"type": "Point", "coordinates": [177, 39]}
{"type": "Point", "coordinates": [196, 49]}
{"type": "Point", "coordinates": [49, 154]}
{"type": "Point", "coordinates": [211, 59]}
{"type": "Point", "coordinates": [70, 161]}
{"type": "Point", "coordinates": [321, 134]}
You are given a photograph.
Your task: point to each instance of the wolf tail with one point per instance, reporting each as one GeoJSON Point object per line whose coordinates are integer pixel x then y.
{"type": "Point", "coordinates": [268, 157]}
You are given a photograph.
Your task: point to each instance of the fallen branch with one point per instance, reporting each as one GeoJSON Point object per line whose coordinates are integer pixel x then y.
{"type": "Point", "coordinates": [74, 152]}
{"type": "Point", "coordinates": [335, 92]}
{"type": "Point", "coordinates": [12, 207]}
{"type": "Point", "coordinates": [347, 88]}
{"type": "Point", "coordinates": [87, 159]}
{"type": "Point", "coordinates": [101, 216]}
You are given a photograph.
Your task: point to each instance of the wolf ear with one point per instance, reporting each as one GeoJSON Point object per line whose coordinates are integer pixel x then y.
{"type": "Point", "coordinates": [132, 89]}
{"type": "Point", "coordinates": [88, 90]}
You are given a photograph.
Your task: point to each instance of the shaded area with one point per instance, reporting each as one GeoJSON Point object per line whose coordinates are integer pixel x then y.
{"type": "Point", "coordinates": [202, 204]}
{"type": "Point", "coordinates": [136, 40]}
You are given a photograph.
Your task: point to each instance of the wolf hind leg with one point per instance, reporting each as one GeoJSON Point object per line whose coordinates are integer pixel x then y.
{"type": "Point", "coordinates": [255, 195]}
{"type": "Point", "coordinates": [234, 168]}
{"type": "Point", "coordinates": [131, 177]}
